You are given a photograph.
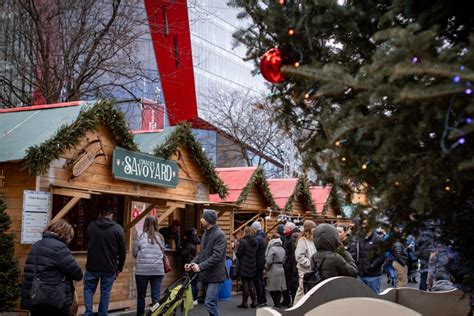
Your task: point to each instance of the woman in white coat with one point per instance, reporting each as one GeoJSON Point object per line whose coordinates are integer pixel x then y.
{"type": "Point", "coordinates": [304, 250]}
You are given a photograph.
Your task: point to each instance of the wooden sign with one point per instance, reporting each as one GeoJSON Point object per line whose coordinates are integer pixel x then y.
{"type": "Point", "coordinates": [138, 167]}
{"type": "Point", "coordinates": [87, 156]}
{"type": "Point", "coordinates": [35, 216]}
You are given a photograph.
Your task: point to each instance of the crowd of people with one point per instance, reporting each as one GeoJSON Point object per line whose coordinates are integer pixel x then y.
{"type": "Point", "coordinates": [278, 263]}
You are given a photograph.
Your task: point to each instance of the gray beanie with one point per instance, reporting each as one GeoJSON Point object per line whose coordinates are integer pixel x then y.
{"type": "Point", "coordinates": [257, 225]}
{"type": "Point", "coordinates": [210, 216]}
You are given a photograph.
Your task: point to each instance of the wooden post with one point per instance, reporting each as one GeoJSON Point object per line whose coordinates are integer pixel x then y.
{"type": "Point", "coordinates": [141, 216]}
{"type": "Point", "coordinates": [66, 209]}
{"type": "Point", "coordinates": [272, 227]}
{"type": "Point", "coordinates": [245, 224]}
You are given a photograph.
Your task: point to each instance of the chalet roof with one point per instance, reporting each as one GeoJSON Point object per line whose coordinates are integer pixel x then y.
{"type": "Point", "coordinates": [282, 189]}
{"type": "Point", "coordinates": [21, 128]}
{"type": "Point", "coordinates": [320, 196]}
{"type": "Point", "coordinates": [287, 191]}
{"type": "Point", "coordinates": [240, 181]}
{"type": "Point", "coordinates": [235, 179]}
{"type": "Point", "coordinates": [39, 134]}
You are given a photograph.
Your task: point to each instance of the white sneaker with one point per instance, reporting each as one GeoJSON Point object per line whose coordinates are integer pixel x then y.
{"type": "Point", "coordinates": [195, 302]}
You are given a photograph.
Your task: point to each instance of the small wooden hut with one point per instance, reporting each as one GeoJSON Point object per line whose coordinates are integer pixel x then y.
{"type": "Point", "coordinates": [68, 160]}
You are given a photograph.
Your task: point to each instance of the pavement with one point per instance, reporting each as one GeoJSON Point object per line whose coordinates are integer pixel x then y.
{"type": "Point", "coordinates": [230, 307]}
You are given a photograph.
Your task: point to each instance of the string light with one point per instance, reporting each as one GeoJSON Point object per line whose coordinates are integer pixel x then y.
{"type": "Point", "coordinates": [448, 180]}
{"type": "Point", "coordinates": [297, 64]}
{"type": "Point", "coordinates": [468, 120]}
{"type": "Point", "coordinates": [461, 140]}
{"type": "Point", "coordinates": [397, 183]}
{"type": "Point", "coordinates": [414, 60]}
{"type": "Point", "coordinates": [343, 158]}
{"type": "Point", "coordinates": [468, 91]}
{"type": "Point", "coordinates": [461, 68]}
{"type": "Point", "coordinates": [291, 32]}
{"type": "Point", "coordinates": [447, 188]}
{"type": "Point", "coordinates": [457, 79]}
{"type": "Point", "coordinates": [306, 96]}
{"type": "Point", "coordinates": [338, 143]}
{"type": "Point", "coordinates": [364, 166]}
{"type": "Point", "coordinates": [281, 2]}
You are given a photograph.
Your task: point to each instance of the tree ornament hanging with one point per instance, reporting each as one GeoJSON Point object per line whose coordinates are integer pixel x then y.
{"type": "Point", "coordinates": [270, 65]}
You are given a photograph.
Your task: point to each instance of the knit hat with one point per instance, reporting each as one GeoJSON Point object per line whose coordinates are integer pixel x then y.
{"type": "Point", "coordinates": [210, 216]}
{"type": "Point", "coordinates": [280, 228]}
{"type": "Point", "coordinates": [257, 226]}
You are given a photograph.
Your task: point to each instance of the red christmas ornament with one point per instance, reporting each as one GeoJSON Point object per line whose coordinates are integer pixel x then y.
{"type": "Point", "coordinates": [270, 66]}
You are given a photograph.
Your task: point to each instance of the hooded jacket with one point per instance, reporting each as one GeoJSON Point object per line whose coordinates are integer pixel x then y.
{"type": "Point", "coordinates": [246, 254]}
{"type": "Point", "coordinates": [106, 246]}
{"type": "Point", "coordinates": [53, 261]}
{"type": "Point", "coordinates": [326, 241]}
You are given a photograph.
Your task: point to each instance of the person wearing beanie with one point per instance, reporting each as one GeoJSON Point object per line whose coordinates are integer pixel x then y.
{"type": "Point", "coordinates": [305, 249]}
{"type": "Point", "coordinates": [210, 262]}
{"type": "Point", "coordinates": [291, 272]}
{"type": "Point", "coordinates": [258, 281]}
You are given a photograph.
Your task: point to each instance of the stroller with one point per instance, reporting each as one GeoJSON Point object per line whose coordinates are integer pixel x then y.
{"type": "Point", "coordinates": [178, 293]}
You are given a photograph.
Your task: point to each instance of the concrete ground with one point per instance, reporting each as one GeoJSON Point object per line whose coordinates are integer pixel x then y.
{"type": "Point", "coordinates": [230, 307]}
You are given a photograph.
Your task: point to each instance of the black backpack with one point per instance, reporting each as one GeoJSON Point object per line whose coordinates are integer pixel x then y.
{"type": "Point", "coordinates": [312, 278]}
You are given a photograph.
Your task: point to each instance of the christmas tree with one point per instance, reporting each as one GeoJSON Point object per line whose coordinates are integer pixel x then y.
{"type": "Point", "coordinates": [9, 270]}
{"type": "Point", "coordinates": [380, 94]}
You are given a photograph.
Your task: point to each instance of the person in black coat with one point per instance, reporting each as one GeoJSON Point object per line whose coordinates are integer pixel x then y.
{"type": "Point", "coordinates": [53, 261]}
{"type": "Point", "coordinates": [247, 265]}
{"type": "Point", "coordinates": [368, 252]}
{"type": "Point", "coordinates": [291, 271]}
{"type": "Point", "coordinates": [261, 248]}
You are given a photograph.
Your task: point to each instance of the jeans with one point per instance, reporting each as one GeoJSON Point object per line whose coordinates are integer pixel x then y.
{"type": "Point", "coordinates": [212, 296]}
{"type": "Point", "coordinates": [142, 284]}
{"type": "Point", "coordinates": [373, 283]}
{"type": "Point", "coordinates": [91, 279]}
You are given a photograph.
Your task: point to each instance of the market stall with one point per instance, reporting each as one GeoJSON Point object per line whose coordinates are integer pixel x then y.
{"type": "Point", "coordinates": [249, 199]}
{"type": "Point", "coordinates": [294, 199]}
{"type": "Point", "coordinates": [68, 160]}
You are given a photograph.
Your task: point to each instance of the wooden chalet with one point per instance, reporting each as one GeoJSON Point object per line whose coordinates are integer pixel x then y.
{"type": "Point", "coordinates": [68, 160]}
{"type": "Point", "coordinates": [249, 198]}
{"type": "Point", "coordinates": [294, 199]}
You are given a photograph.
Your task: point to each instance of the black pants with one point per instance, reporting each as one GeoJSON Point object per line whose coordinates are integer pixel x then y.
{"type": "Point", "coordinates": [248, 289]}
{"type": "Point", "coordinates": [260, 288]}
{"type": "Point", "coordinates": [276, 297]}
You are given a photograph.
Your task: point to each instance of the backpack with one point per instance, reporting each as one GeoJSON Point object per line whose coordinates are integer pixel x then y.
{"type": "Point", "coordinates": [312, 278]}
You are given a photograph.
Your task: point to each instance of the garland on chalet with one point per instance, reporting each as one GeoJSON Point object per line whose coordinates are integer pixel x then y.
{"type": "Point", "coordinates": [39, 157]}
{"type": "Point", "coordinates": [301, 190]}
{"type": "Point", "coordinates": [183, 136]}
{"type": "Point", "coordinates": [258, 178]}
{"type": "Point", "coordinates": [10, 271]}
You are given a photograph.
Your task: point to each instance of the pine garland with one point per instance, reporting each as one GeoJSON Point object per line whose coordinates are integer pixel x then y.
{"type": "Point", "coordinates": [301, 191]}
{"type": "Point", "coordinates": [39, 157]}
{"type": "Point", "coordinates": [9, 268]}
{"type": "Point", "coordinates": [258, 179]}
{"type": "Point", "coordinates": [183, 136]}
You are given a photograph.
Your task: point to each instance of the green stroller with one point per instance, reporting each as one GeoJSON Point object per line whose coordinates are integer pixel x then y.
{"type": "Point", "coordinates": [179, 293]}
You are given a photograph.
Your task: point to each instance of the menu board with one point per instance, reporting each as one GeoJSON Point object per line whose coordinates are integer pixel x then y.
{"type": "Point", "coordinates": [35, 217]}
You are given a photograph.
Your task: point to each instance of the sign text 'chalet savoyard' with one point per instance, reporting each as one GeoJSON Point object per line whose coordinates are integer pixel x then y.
{"type": "Point", "coordinates": [138, 167]}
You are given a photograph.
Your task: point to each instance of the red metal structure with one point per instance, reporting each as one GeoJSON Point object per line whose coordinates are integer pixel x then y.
{"type": "Point", "coordinates": [170, 33]}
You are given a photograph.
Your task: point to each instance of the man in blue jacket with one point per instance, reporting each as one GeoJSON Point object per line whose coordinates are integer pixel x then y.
{"type": "Point", "coordinates": [105, 259]}
{"type": "Point", "coordinates": [210, 262]}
